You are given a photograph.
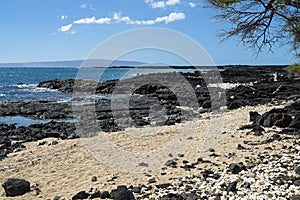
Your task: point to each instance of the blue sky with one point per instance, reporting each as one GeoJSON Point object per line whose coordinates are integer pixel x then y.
{"type": "Point", "coordinates": [47, 30]}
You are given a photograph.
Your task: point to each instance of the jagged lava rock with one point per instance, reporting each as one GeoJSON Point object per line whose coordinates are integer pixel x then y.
{"type": "Point", "coordinates": [15, 187]}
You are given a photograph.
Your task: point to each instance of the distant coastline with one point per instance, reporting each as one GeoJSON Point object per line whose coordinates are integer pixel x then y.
{"type": "Point", "coordinates": [102, 63]}
{"type": "Point", "coordinates": [200, 67]}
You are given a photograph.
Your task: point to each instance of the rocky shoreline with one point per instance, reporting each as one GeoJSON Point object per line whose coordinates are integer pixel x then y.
{"type": "Point", "coordinates": [271, 174]}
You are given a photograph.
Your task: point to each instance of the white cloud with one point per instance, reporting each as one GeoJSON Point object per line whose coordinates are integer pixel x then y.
{"type": "Point", "coordinates": [193, 5]}
{"type": "Point", "coordinates": [142, 22]}
{"type": "Point", "coordinates": [83, 6]}
{"type": "Point", "coordinates": [172, 2]}
{"type": "Point", "coordinates": [162, 4]}
{"type": "Point", "coordinates": [65, 28]}
{"type": "Point", "coordinates": [159, 4]}
{"type": "Point", "coordinates": [93, 20]}
{"type": "Point", "coordinates": [174, 16]}
{"type": "Point", "coordinates": [87, 6]}
{"type": "Point", "coordinates": [118, 18]}
{"type": "Point", "coordinates": [72, 32]}
{"type": "Point", "coordinates": [63, 17]}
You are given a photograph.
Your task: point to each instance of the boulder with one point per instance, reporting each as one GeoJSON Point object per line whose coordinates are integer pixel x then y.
{"type": "Point", "coordinates": [172, 196]}
{"type": "Point", "coordinates": [253, 115]}
{"type": "Point", "coordinates": [105, 195]}
{"type": "Point", "coordinates": [236, 168]}
{"type": "Point", "coordinates": [122, 193]}
{"type": "Point", "coordinates": [15, 187]}
{"type": "Point", "coordinates": [277, 119]}
{"type": "Point", "coordinates": [296, 122]}
{"type": "Point", "coordinates": [235, 104]}
{"type": "Point", "coordinates": [81, 195]}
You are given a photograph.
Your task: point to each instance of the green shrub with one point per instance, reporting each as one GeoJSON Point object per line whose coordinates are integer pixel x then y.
{"type": "Point", "coordinates": [294, 69]}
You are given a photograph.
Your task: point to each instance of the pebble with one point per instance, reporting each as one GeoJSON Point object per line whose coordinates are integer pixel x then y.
{"type": "Point", "coordinates": [151, 180]}
{"type": "Point", "coordinates": [232, 187]}
{"type": "Point", "coordinates": [94, 178]}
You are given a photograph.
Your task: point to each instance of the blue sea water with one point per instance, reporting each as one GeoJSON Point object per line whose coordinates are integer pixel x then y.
{"type": "Point", "coordinates": [17, 84]}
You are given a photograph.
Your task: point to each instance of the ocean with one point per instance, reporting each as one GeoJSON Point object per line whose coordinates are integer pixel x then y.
{"type": "Point", "coordinates": [19, 84]}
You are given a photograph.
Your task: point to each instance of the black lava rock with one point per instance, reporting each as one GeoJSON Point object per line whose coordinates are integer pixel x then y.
{"type": "Point", "coordinates": [171, 163]}
{"type": "Point", "coordinates": [296, 122]}
{"type": "Point", "coordinates": [15, 187]}
{"type": "Point", "coordinates": [137, 189]}
{"type": "Point", "coordinates": [253, 115]}
{"type": "Point", "coordinates": [297, 170]}
{"type": "Point", "coordinates": [297, 183]}
{"type": "Point", "coordinates": [172, 196]}
{"type": "Point", "coordinates": [232, 187]}
{"type": "Point", "coordinates": [163, 185]}
{"type": "Point", "coordinates": [189, 196]}
{"type": "Point", "coordinates": [240, 147]}
{"type": "Point", "coordinates": [56, 198]}
{"type": "Point", "coordinates": [246, 185]}
{"type": "Point", "coordinates": [81, 195]}
{"type": "Point", "coordinates": [105, 195]}
{"type": "Point", "coordinates": [216, 176]}
{"type": "Point", "coordinates": [122, 193]}
{"type": "Point", "coordinates": [95, 195]}
{"type": "Point", "coordinates": [295, 197]}
{"type": "Point", "coordinates": [235, 104]}
{"type": "Point", "coordinates": [236, 168]}
{"type": "Point", "coordinates": [277, 119]}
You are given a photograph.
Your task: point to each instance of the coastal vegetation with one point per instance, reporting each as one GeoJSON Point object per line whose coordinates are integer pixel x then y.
{"type": "Point", "coordinates": [294, 69]}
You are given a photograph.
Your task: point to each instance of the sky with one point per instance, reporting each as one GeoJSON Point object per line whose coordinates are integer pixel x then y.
{"type": "Point", "coordinates": [59, 30]}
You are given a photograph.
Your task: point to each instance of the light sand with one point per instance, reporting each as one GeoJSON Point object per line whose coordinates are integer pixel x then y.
{"type": "Point", "coordinates": [67, 168]}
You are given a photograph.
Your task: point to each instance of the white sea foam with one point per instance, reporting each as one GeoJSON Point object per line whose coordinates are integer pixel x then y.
{"type": "Point", "coordinates": [68, 100]}
{"type": "Point", "coordinates": [24, 85]}
{"type": "Point", "coordinates": [39, 89]}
